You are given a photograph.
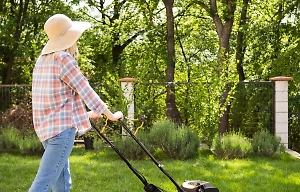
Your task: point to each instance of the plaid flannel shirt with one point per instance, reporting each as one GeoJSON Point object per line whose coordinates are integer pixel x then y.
{"type": "Point", "coordinates": [58, 92]}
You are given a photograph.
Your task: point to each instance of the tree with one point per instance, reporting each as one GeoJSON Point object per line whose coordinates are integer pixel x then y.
{"type": "Point", "coordinates": [13, 19]}
{"type": "Point", "coordinates": [223, 18]}
{"type": "Point", "coordinates": [240, 44]}
{"type": "Point", "coordinates": [22, 36]}
{"type": "Point", "coordinates": [121, 21]}
{"type": "Point", "coordinates": [117, 23]}
{"type": "Point", "coordinates": [171, 109]}
{"type": "Point", "coordinates": [273, 44]}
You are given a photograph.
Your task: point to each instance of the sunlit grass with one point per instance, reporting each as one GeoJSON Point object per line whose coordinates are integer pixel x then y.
{"type": "Point", "coordinates": [106, 172]}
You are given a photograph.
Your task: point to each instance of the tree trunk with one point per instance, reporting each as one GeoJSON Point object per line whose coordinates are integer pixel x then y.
{"type": "Point", "coordinates": [171, 109]}
{"type": "Point", "coordinates": [20, 13]}
{"type": "Point", "coordinates": [224, 32]}
{"type": "Point", "coordinates": [240, 47]}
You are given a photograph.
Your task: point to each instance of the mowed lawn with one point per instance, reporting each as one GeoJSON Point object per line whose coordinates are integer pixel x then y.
{"type": "Point", "coordinates": [104, 171]}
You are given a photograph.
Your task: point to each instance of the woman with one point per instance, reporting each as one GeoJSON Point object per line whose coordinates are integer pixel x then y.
{"type": "Point", "coordinates": [58, 89]}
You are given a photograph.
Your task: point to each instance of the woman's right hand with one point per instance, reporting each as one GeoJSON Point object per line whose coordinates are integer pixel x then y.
{"type": "Point", "coordinates": [118, 115]}
{"type": "Point", "coordinates": [113, 116]}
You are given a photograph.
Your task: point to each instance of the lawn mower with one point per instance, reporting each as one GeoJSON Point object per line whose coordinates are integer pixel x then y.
{"type": "Point", "coordinates": [187, 186]}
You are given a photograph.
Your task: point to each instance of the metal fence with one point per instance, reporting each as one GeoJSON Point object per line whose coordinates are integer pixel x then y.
{"type": "Point", "coordinates": [294, 122]}
{"type": "Point", "coordinates": [251, 108]}
{"type": "Point", "coordinates": [252, 105]}
{"type": "Point", "coordinates": [11, 95]}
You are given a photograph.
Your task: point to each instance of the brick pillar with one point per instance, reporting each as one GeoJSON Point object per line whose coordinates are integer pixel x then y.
{"type": "Point", "coordinates": [281, 108]}
{"type": "Point", "coordinates": [127, 87]}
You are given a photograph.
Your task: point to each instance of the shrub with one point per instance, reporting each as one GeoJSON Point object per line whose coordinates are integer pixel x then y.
{"type": "Point", "coordinates": [177, 142]}
{"type": "Point", "coordinates": [231, 146]}
{"type": "Point", "coordinates": [130, 149]}
{"type": "Point", "coordinates": [159, 132]}
{"type": "Point", "coordinates": [266, 144]}
{"type": "Point", "coordinates": [165, 140]}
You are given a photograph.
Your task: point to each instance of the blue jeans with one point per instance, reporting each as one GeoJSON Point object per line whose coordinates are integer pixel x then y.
{"type": "Point", "coordinates": [54, 171]}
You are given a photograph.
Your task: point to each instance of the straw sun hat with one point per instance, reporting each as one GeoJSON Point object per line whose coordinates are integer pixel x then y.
{"type": "Point", "coordinates": [62, 32]}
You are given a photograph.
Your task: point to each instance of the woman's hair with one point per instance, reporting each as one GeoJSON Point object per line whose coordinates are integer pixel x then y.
{"type": "Point", "coordinates": [73, 50]}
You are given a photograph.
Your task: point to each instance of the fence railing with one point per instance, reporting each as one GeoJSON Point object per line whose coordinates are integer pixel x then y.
{"type": "Point", "coordinates": [253, 107]}
{"type": "Point", "coordinates": [251, 104]}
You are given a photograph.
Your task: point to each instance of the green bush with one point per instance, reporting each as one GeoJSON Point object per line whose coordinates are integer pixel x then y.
{"type": "Point", "coordinates": [176, 142]}
{"type": "Point", "coordinates": [231, 146]}
{"type": "Point", "coordinates": [130, 149]}
{"type": "Point", "coordinates": [160, 131]}
{"type": "Point", "coordinates": [266, 144]}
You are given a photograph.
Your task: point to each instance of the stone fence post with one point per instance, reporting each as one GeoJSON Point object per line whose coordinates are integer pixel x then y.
{"type": "Point", "coordinates": [281, 108]}
{"type": "Point", "coordinates": [127, 88]}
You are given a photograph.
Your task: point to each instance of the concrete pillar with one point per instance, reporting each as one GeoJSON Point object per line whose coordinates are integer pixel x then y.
{"type": "Point", "coordinates": [127, 87]}
{"type": "Point", "coordinates": [281, 108]}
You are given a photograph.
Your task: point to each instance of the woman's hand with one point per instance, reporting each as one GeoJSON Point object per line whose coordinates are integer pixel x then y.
{"type": "Point", "coordinates": [118, 115]}
{"type": "Point", "coordinates": [113, 116]}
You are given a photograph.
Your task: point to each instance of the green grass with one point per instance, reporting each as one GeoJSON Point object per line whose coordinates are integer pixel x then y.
{"type": "Point", "coordinates": [105, 172]}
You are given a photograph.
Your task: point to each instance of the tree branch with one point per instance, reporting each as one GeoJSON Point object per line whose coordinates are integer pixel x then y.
{"type": "Point", "coordinates": [204, 6]}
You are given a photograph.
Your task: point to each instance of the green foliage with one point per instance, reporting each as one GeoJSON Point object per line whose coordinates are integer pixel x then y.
{"type": "Point", "coordinates": [98, 144]}
{"type": "Point", "coordinates": [128, 39]}
{"type": "Point", "coordinates": [130, 149]}
{"type": "Point", "coordinates": [9, 138]}
{"type": "Point", "coordinates": [90, 134]}
{"type": "Point", "coordinates": [294, 121]}
{"type": "Point", "coordinates": [165, 140]}
{"type": "Point", "coordinates": [231, 146]}
{"type": "Point", "coordinates": [278, 24]}
{"type": "Point", "coordinates": [266, 144]}
{"type": "Point", "coordinates": [26, 142]}
{"type": "Point", "coordinates": [153, 106]}
{"type": "Point", "coordinates": [177, 142]}
{"type": "Point", "coordinates": [251, 108]}
{"type": "Point", "coordinates": [30, 144]}
{"type": "Point", "coordinates": [22, 36]}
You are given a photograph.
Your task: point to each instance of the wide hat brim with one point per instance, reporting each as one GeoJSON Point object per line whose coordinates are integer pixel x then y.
{"type": "Point", "coordinates": [67, 39]}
